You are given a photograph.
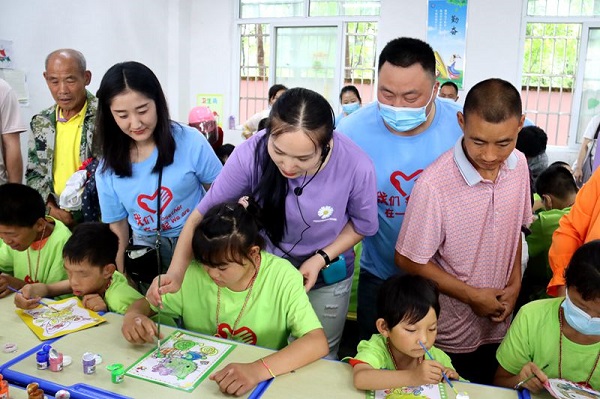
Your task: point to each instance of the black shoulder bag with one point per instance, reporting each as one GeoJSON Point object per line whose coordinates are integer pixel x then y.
{"type": "Point", "coordinates": [142, 263]}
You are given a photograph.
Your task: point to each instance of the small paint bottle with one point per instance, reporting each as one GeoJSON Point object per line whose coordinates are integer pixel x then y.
{"type": "Point", "coordinates": [34, 391]}
{"type": "Point", "coordinates": [62, 394]}
{"type": "Point", "coordinates": [41, 358]}
{"type": "Point", "coordinates": [89, 363]}
{"type": "Point", "coordinates": [55, 359]}
{"type": "Point", "coordinates": [4, 394]}
{"type": "Point", "coordinates": [117, 373]}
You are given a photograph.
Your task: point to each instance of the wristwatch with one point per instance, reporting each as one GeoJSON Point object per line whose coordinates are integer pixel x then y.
{"type": "Point", "coordinates": [325, 256]}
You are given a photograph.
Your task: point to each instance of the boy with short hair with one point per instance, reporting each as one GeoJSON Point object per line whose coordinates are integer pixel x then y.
{"type": "Point", "coordinates": [557, 189]}
{"type": "Point", "coordinates": [89, 257]}
{"type": "Point", "coordinates": [31, 243]}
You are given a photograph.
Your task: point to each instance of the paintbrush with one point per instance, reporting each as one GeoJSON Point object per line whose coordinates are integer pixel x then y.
{"type": "Point", "coordinates": [443, 374]}
{"type": "Point", "coordinates": [520, 383]}
{"type": "Point", "coordinates": [158, 318]}
{"type": "Point", "coordinates": [39, 302]}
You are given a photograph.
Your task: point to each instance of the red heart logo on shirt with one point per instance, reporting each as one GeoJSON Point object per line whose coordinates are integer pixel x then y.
{"type": "Point", "coordinates": [396, 182]}
{"type": "Point", "coordinates": [148, 202]}
{"type": "Point", "coordinates": [243, 334]}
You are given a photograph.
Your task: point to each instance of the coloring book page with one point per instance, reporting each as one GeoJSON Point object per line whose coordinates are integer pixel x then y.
{"type": "Point", "coordinates": [563, 389]}
{"type": "Point", "coordinates": [64, 317]}
{"type": "Point", "coordinates": [183, 362]}
{"type": "Point", "coordinates": [432, 391]}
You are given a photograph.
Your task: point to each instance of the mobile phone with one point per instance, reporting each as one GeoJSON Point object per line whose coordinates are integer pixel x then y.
{"type": "Point", "coordinates": [335, 271]}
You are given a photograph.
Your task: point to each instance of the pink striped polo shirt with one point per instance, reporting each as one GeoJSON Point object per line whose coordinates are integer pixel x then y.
{"type": "Point", "coordinates": [471, 228]}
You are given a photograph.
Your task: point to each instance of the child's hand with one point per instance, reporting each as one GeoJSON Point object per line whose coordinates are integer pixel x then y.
{"type": "Point", "coordinates": [237, 378]}
{"type": "Point", "coordinates": [32, 294]}
{"type": "Point", "coordinates": [535, 384]}
{"type": "Point", "coordinates": [168, 283]}
{"type": "Point", "coordinates": [138, 329]}
{"type": "Point", "coordinates": [428, 372]}
{"type": "Point", "coordinates": [4, 291]}
{"type": "Point", "coordinates": [94, 302]}
{"type": "Point", "coordinates": [451, 373]}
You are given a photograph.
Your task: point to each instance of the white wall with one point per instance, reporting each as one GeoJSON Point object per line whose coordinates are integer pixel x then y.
{"type": "Point", "coordinates": [191, 44]}
{"type": "Point", "coordinates": [493, 35]}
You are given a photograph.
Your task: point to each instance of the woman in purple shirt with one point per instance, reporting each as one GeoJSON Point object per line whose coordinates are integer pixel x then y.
{"type": "Point", "coordinates": [317, 191]}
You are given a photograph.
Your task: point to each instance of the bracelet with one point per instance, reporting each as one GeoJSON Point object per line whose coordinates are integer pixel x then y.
{"type": "Point", "coordinates": [267, 367]}
{"type": "Point", "coordinates": [325, 256]}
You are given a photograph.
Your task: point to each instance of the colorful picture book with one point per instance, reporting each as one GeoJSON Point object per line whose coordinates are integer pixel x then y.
{"type": "Point", "coordinates": [59, 318]}
{"type": "Point", "coordinates": [183, 361]}
{"type": "Point", "coordinates": [432, 391]}
{"type": "Point", "coordinates": [563, 389]}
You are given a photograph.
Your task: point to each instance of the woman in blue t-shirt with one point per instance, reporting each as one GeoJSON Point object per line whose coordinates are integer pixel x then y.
{"type": "Point", "coordinates": [138, 140]}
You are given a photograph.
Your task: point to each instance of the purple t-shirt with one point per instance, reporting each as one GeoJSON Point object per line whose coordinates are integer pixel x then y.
{"type": "Point", "coordinates": [343, 190]}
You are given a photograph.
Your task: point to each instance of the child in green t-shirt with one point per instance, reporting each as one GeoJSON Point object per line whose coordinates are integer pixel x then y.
{"type": "Point", "coordinates": [89, 257]}
{"type": "Point", "coordinates": [237, 291]}
{"type": "Point", "coordinates": [31, 243]}
{"type": "Point", "coordinates": [557, 189]}
{"type": "Point", "coordinates": [557, 337]}
{"type": "Point", "coordinates": [407, 308]}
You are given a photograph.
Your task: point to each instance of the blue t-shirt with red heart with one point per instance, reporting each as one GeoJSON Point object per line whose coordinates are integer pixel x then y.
{"type": "Point", "coordinates": [398, 160]}
{"type": "Point", "coordinates": [135, 197]}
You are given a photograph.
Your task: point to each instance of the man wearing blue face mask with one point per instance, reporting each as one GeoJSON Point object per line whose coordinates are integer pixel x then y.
{"type": "Point", "coordinates": [562, 334]}
{"type": "Point", "coordinates": [403, 132]}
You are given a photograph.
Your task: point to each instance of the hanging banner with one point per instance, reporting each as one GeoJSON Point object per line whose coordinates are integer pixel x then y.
{"type": "Point", "coordinates": [446, 33]}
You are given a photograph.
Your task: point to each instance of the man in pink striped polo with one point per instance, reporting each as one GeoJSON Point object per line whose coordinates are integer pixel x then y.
{"type": "Point", "coordinates": [462, 228]}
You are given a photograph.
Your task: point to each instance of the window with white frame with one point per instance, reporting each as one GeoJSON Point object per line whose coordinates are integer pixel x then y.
{"type": "Point", "coordinates": [560, 84]}
{"type": "Point", "coordinates": [281, 43]}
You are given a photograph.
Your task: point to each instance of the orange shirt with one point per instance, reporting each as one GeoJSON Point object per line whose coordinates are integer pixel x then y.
{"type": "Point", "coordinates": [577, 227]}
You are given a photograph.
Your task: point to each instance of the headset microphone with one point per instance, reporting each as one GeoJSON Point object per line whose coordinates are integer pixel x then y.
{"type": "Point", "coordinates": [298, 190]}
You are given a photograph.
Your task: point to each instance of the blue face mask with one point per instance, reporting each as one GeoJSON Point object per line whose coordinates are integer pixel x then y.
{"type": "Point", "coordinates": [403, 119]}
{"type": "Point", "coordinates": [580, 320]}
{"type": "Point", "coordinates": [350, 108]}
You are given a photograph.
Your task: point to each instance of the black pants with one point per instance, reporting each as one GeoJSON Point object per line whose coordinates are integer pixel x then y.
{"type": "Point", "coordinates": [479, 366]}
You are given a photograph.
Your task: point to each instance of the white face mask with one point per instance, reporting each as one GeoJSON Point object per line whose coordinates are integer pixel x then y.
{"type": "Point", "coordinates": [578, 319]}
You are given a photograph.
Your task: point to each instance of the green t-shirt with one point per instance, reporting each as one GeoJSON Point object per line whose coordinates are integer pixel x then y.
{"type": "Point", "coordinates": [538, 273]}
{"type": "Point", "coordinates": [534, 337]}
{"type": "Point", "coordinates": [120, 294]}
{"type": "Point", "coordinates": [542, 228]}
{"type": "Point", "coordinates": [277, 308]}
{"type": "Point", "coordinates": [375, 353]}
{"type": "Point", "coordinates": [51, 266]}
